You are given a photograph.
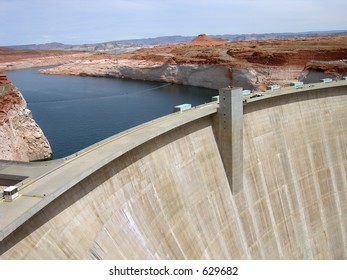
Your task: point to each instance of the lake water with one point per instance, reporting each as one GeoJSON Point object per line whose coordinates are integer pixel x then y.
{"type": "Point", "coordinates": [75, 112]}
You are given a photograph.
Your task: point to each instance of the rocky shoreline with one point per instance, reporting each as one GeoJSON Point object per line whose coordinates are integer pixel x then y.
{"type": "Point", "coordinates": [21, 137]}
{"type": "Point", "coordinates": [204, 62]}
{"type": "Point", "coordinates": [33, 62]}
{"type": "Point", "coordinates": [204, 75]}
{"type": "Point", "coordinates": [215, 63]}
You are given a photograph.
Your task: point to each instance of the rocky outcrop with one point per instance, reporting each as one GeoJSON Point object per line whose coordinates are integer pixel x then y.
{"type": "Point", "coordinates": [203, 39]}
{"type": "Point", "coordinates": [21, 138]}
{"type": "Point", "coordinates": [203, 75]}
{"type": "Point", "coordinates": [316, 70]}
{"type": "Point", "coordinates": [13, 59]}
{"type": "Point", "coordinates": [206, 62]}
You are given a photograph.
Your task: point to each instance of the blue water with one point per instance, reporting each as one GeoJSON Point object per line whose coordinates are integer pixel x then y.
{"type": "Point", "coordinates": [75, 112]}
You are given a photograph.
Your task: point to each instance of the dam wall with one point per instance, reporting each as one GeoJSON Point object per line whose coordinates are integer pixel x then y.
{"type": "Point", "coordinates": [295, 160]}
{"type": "Point", "coordinates": [169, 197]}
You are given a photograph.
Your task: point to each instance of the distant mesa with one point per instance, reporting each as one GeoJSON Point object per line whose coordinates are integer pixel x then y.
{"type": "Point", "coordinates": [204, 39]}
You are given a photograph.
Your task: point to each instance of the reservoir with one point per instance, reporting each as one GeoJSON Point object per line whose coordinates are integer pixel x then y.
{"type": "Point", "coordinates": [75, 112]}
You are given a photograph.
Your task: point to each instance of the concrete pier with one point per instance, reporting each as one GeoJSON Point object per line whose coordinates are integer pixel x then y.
{"type": "Point", "coordinates": [230, 114]}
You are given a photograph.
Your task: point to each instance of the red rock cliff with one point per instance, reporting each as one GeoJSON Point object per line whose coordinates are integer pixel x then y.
{"type": "Point", "coordinates": [214, 63]}
{"type": "Point", "coordinates": [21, 138]}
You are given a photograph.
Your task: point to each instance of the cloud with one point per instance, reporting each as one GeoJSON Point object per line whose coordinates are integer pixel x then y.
{"type": "Point", "coordinates": [84, 21]}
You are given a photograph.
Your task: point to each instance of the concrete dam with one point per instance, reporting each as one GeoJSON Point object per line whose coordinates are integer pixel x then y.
{"type": "Point", "coordinates": [261, 178]}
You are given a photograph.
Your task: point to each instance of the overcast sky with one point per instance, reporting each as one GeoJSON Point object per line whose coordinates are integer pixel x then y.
{"type": "Point", "coordinates": [92, 21]}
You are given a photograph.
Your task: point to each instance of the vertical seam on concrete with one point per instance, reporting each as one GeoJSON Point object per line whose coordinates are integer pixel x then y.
{"type": "Point", "coordinates": [330, 166]}
{"type": "Point", "coordinates": [113, 242]}
{"type": "Point", "coordinates": [306, 239]}
{"type": "Point", "coordinates": [318, 193]}
{"type": "Point", "coordinates": [287, 162]}
{"type": "Point", "coordinates": [272, 218]}
{"type": "Point", "coordinates": [166, 220]}
{"type": "Point", "coordinates": [255, 223]}
{"type": "Point", "coordinates": [241, 230]}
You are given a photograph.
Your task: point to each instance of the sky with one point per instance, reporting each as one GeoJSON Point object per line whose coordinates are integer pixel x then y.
{"type": "Point", "coordinates": [95, 21]}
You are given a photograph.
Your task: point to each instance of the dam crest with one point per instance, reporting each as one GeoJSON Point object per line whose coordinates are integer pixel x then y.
{"type": "Point", "coordinates": [248, 178]}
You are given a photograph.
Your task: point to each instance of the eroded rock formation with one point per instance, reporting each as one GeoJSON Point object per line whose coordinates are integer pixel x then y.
{"type": "Point", "coordinates": [203, 75]}
{"type": "Point", "coordinates": [12, 59]}
{"type": "Point", "coordinates": [215, 63]}
{"type": "Point", "coordinates": [21, 137]}
{"type": "Point", "coordinates": [205, 61]}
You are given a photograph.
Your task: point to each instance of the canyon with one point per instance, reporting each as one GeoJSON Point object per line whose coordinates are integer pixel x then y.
{"type": "Point", "coordinates": [205, 61]}
{"type": "Point", "coordinates": [168, 189]}
{"type": "Point", "coordinates": [216, 63]}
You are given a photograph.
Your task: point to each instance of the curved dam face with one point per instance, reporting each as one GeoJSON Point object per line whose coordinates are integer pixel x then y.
{"type": "Point", "coordinates": [170, 198]}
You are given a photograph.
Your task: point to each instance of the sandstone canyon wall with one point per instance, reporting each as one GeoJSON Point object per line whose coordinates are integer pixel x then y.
{"type": "Point", "coordinates": [14, 59]}
{"type": "Point", "coordinates": [21, 137]}
{"type": "Point", "coordinates": [214, 63]}
{"type": "Point", "coordinates": [202, 75]}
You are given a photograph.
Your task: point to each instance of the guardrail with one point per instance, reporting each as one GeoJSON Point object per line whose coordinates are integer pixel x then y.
{"type": "Point", "coordinates": [257, 95]}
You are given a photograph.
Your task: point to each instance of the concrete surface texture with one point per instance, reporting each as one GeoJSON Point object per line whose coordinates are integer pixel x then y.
{"type": "Point", "coordinates": [169, 198]}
